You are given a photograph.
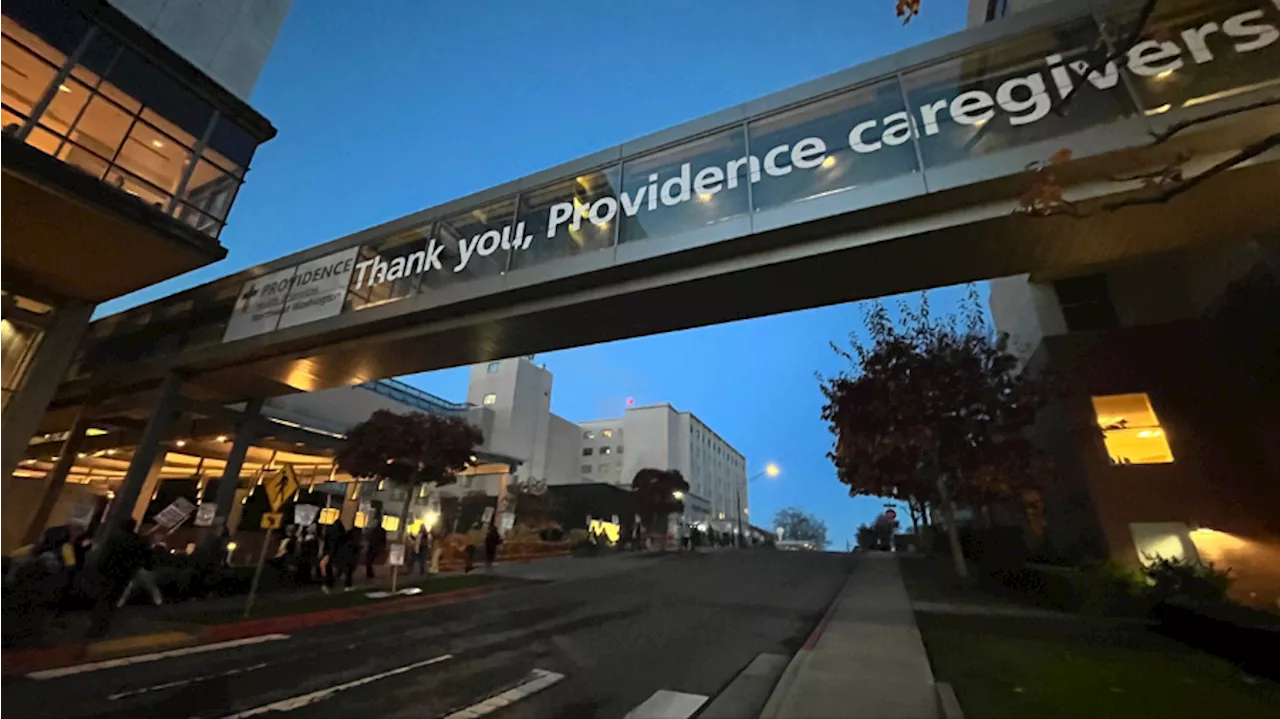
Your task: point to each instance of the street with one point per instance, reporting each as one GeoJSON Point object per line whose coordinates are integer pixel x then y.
{"type": "Point", "coordinates": [595, 646]}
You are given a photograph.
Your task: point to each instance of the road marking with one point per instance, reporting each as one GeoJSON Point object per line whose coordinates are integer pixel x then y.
{"type": "Point", "coordinates": [305, 700]}
{"type": "Point", "coordinates": [667, 705]}
{"type": "Point", "coordinates": [184, 682]}
{"type": "Point", "coordinates": [539, 679]}
{"type": "Point", "coordinates": [156, 656]}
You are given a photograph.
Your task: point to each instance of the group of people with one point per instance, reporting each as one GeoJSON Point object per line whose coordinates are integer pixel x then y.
{"type": "Point", "coordinates": [61, 569]}
{"type": "Point", "coordinates": [335, 552]}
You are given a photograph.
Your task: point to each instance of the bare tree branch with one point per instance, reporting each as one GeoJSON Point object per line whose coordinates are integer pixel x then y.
{"type": "Point", "coordinates": [1173, 129]}
{"type": "Point", "coordinates": [1174, 190]}
{"type": "Point", "coordinates": [1120, 49]}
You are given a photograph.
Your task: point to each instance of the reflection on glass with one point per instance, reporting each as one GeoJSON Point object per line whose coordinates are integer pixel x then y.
{"type": "Point", "coordinates": [832, 145]}
{"type": "Point", "coordinates": [65, 107]}
{"type": "Point", "coordinates": [28, 69]}
{"type": "Point", "coordinates": [210, 191]}
{"type": "Point", "coordinates": [154, 157]}
{"type": "Point", "coordinates": [470, 244]}
{"type": "Point", "coordinates": [389, 270]}
{"type": "Point", "coordinates": [686, 187]}
{"type": "Point", "coordinates": [1003, 96]}
{"type": "Point", "coordinates": [584, 212]}
{"type": "Point", "coordinates": [1197, 53]}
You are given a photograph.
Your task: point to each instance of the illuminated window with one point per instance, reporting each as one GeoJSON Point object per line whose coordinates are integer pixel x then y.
{"type": "Point", "coordinates": [490, 399]}
{"type": "Point", "coordinates": [606, 450]}
{"type": "Point", "coordinates": [606, 433]}
{"type": "Point", "coordinates": [588, 435]}
{"type": "Point", "coordinates": [1130, 429]}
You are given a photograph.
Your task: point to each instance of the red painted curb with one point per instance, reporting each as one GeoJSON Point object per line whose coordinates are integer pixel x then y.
{"type": "Point", "coordinates": [816, 634]}
{"type": "Point", "coordinates": [29, 660]}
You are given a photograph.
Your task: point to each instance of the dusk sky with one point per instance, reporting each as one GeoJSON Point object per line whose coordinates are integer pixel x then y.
{"type": "Point", "coordinates": [387, 108]}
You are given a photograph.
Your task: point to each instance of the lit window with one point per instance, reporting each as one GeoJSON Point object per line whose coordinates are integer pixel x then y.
{"type": "Point", "coordinates": [490, 399]}
{"type": "Point", "coordinates": [1130, 429]}
{"type": "Point", "coordinates": [494, 366]}
{"type": "Point", "coordinates": [588, 435]}
{"type": "Point", "coordinates": [606, 433]}
{"type": "Point", "coordinates": [606, 450]}
{"type": "Point", "coordinates": [587, 451]}
{"type": "Point", "coordinates": [586, 469]}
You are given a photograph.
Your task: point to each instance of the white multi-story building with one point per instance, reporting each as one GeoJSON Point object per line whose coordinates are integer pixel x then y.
{"type": "Point", "coordinates": [662, 437]}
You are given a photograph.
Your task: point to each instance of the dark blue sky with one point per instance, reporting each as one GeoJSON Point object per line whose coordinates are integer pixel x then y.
{"type": "Point", "coordinates": [385, 108]}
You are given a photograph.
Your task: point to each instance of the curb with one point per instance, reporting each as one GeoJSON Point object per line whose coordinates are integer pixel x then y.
{"type": "Point", "coordinates": [780, 690]}
{"type": "Point", "coordinates": [22, 662]}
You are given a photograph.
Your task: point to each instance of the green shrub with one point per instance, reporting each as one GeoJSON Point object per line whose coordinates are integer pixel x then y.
{"type": "Point", "coordinates": [1109, 587]}
{"type": "Point", "coordinates": [1171, 578]}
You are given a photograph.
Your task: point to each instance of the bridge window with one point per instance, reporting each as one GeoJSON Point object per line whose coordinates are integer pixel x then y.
{"type": "Point", "coordinates": [1001, 96]}
{"type": "Point", "coordinates": [490, 399]}
{"type": "Point", "coordinates": [851, 140]}
{"type": "Point", "coordinates": [569, 218]}
{"type": "Point", "coordinates": [1130, 430]}
{"type": "Point", "coordinates": [670, 199]}
{"type": "Point", "coordinates": [461, 235]}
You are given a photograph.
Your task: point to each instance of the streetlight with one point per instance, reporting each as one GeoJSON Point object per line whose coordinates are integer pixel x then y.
{"type": "Point", "coordinates": [770, 470]}
{"type": "Point", "coordinates": [678, 494]}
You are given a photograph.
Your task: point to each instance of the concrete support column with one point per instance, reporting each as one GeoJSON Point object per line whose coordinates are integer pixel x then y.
{"type": "Point", "coordinates": [144, 457]}
{"type": "Point", "coordinates": [58, 476]}
{"type": "Point", "coordinates": [149, 484]}
{"type": "Point", "coordinates": [245, 435]}
{"type": "Point", "coordinates": [45, 371]}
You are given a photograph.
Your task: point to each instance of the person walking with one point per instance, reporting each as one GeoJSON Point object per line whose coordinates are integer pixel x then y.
{"type": "Point", "coordinates": [422, 550]}
{"type": "Point", "coordinates": [373, 549]}
{"type": "Point", "coordinates": [122, 556]}
{"type": "Point", "coordinates": [145, 578]}
{"type": "Point", "coordinates": [343, 561]}
{"type": "Point", "coordinates": [308, 555]}
{"type": "Point", "coordinates": [491, 541]}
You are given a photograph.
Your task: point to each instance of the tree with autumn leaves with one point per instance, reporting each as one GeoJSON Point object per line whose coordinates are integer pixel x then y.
{"type": "Point", "coordinates": [658, 494]}
{"type": "Point", "coordinates": [935, 412]}
{"type": "Point", "coordinates": [409, 450]}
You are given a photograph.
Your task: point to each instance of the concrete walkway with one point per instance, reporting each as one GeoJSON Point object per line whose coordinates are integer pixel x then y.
{"type": "Point", "coordinates": [865, 659]}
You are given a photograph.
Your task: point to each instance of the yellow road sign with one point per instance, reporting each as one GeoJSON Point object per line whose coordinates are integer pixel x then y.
{"type": "Point", "coordinates": [271, 520]}
{"type": "Point", "coordinates": [280, 486]}
{"type": "Point", "coordinates": [329, 515]}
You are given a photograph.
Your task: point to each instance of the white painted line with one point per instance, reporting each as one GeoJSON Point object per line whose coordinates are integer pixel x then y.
{"type": "Point", "coordinates": [667, 705]}
{"type": "Point", "coordinates": [304, 700]}
{"type": "Point", "coordinates": [539, 679]}
{"type": "Point", "coordinates": [184, 682]}
{"type": "Point", "coordinates": [144, 658]}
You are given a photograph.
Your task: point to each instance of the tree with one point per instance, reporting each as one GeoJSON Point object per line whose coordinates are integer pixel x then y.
{"type": "Point", "coordinates": [409, 450]}
{"type": "Point", "coordinates": [934, 413]}
{"type": "Point", "coordinates": [658, 493]}
{"type": "Point", "coordinates": [799, 525]}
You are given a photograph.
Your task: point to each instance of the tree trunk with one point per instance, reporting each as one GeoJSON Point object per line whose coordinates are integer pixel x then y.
{"type": "Point", "coordinates": [953, 532]}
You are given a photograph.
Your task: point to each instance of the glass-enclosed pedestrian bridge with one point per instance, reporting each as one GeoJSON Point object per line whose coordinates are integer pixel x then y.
{"type": "Point", "coordinates": [899, 174]}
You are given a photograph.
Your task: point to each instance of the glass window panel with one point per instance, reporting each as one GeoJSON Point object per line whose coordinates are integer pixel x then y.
{"type": "Point", "coordinates": [136, 76]}
{"type": "Point", "coordinates": [58, 27]}
{"type": "Point", "coordinates": [96, 60]}
{"type": "Point", "coordinates": [65, 107]}
{"type": "Point", "coordinates": [102, 127]}
{"type": "Point", "coordinates": [584, 211]}
{"type": "Point", "coordinates": [48, 143]}
{"type": "Point", "coordinates": [462, 235]}
{"type": "Point", "coordinates": [10, 121]}
{"type": "Point", "coordinates": [23, 76]}
{"type": "Point", "coordinates": [846, 141]}
{"type": "Point", "coordinates": [154, 156]}
{"type": "Point", "coordinates": [81, 158]}
{"type": "Point", "coordinates": [232, 142]}
{"type": "Point", "coordinates": [1131, 432]}
{"type": "Point", "coordinates": [1003, 96]}
{"type": "Point", "coordinates": [138, 187]}
{"type": "Point", "coordinates": [210, 190]}
{"type": "Point", "coordinates": [662, 195]}
{"type": "Point", "coordinates": [1195, 53]}
{"type": "Point", "coordinates": [394, 270]}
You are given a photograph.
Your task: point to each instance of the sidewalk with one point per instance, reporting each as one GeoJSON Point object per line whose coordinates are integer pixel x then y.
{"type": "Point", "coordinates": [865, 659]}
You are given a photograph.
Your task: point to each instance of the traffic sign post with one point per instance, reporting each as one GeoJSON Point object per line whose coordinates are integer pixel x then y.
{"type": "Point", "coordinates": [262, 559]}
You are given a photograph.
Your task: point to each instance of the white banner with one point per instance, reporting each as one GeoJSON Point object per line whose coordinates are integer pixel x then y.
{"type": "Point", "coordinates": [304, 293]}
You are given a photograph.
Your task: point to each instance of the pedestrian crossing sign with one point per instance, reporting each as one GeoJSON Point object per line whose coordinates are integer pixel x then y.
{"type": "Point", "coordinates": [271, 520]}
{"type": "Point", "coordinates": [280, 486]}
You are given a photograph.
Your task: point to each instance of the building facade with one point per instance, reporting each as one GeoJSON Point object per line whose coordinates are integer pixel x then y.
{"type": "Point", "coordinates": [122, 156]}
{"type": "Point", "coordinates": [1164, 445]}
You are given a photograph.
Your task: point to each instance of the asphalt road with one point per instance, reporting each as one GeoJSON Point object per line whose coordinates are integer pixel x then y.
{"type": "Point", "coordinates": [598, 646]}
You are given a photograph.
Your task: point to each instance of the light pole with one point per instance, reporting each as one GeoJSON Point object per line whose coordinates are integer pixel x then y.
{"type": "Point", "coordinates": [771, 470]}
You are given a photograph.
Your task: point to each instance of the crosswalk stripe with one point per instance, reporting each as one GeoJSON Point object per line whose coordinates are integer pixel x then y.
{"type": "Point", "coordinates": [539, 679]}
{"type": "Point", "coordinates": [156, 656]}
{"type": "Point", "coordinates": [665, 704]}
{"type": "Point", "coordinates": [305, 700]}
